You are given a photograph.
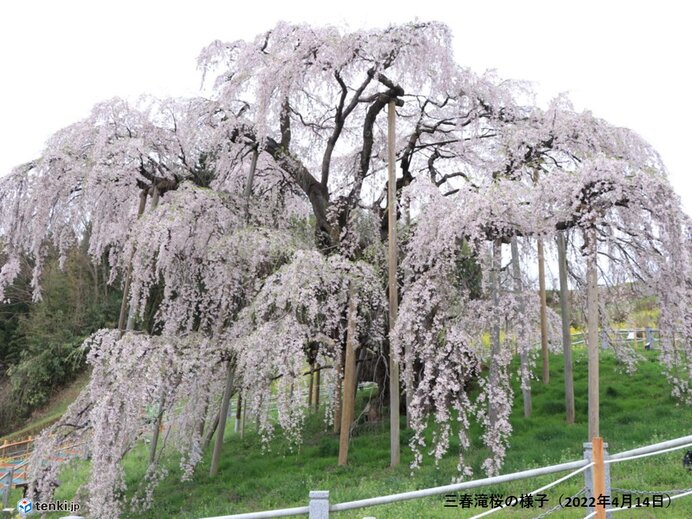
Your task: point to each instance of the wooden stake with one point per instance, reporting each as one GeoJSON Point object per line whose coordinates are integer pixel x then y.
{"type": "Point", "coordinates": [348, 398]}
{"type": "Point", "coordinates": [544, 305]}
{"type": "Point", "coordinates": [599, 488]}
{"type": "Point", "coordinates": [393, 295]}
{"type": "Point", "coordinates": [566, 336]}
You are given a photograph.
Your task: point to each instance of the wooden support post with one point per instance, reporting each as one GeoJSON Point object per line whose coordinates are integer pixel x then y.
{"type": "Point", "coordinates": [348, 397]}
{"type": "Point", "coordinates": [393, 292]}
{"type": "Point", "coordinates": [318, 382]}
{"type": "Point", "coordinates": [155, 430]}
{"type": "Point", "coordinates": [544, 317]}
{"type": "Point", "coordinates": [238, 412]}
{"type": "Point", "coordinates": [494, 370]}
{"type": "Point", "coordinates": [524, 354]}
{"type": "Point", "coordinates": [243, 418]}
{"type": "Point", "coordinates": [566, 336]}
{"type": "Point", "coordinates": [339, 396]}
{"type": "Point", "coordinates": [223, 413]}
{"type": "Point", "coordinates": [592, 333]}
{"type": "Point", "coordinates": [599, 487]}
{"type": "Point", "coordinates": [311, 387]}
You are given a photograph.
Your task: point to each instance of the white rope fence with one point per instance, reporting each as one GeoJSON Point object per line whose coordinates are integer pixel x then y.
{"type": "Point", "coordinates": [546, 487]}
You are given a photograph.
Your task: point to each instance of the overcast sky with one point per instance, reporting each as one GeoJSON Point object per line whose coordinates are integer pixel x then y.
{"type": "Point", "coordinates": [627, 61]}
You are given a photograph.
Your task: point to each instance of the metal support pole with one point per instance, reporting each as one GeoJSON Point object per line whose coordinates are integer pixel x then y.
{"type": "Point", "coordinates": [319, 504]}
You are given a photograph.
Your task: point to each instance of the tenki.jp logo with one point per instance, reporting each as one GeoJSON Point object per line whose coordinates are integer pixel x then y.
{"type": "Point", "coordinates": [25, 506]}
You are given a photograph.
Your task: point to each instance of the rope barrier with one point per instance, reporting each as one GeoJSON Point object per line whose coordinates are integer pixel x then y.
{"type": "Point", "coordinates": [546, 487]}
{"type": "Point", "coordinates": [629, 458]}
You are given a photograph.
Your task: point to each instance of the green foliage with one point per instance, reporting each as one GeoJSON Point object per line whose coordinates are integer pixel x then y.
{"type": "Point", "coordinates": [469, 274]}
{"type": "Point", "coordinates": [42, 344]}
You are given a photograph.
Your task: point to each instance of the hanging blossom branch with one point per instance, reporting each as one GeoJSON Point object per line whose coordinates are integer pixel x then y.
{"type": "Point", "coordinates": [91, 175]}
{"type": "Point", "coordinates": [129, 374]}
{"type": "Point", "coordinates": [299, 309]}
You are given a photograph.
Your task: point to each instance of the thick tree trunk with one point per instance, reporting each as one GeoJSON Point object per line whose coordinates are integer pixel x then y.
{"type": "Point", "coordinates": [566, 336]}
{"type": "Point", "coordinates": [248, 185]}
{"type": "Point", "coordinates": [128, 273]}
{"type": "Point", "coordinates": [348, 410]}
{"type": "Point", "coordinates": [592, 332]}
{"type": "Point", "coordinates": [393, 292]}
{"type": "Point", "coordinates": [133, 307]}
{"type": "Point", "coordinates": [223, 413]}
{"type": "Point", "coordinates": [524, 354]}
{"type": "Point", "coordinates": [544, 317]}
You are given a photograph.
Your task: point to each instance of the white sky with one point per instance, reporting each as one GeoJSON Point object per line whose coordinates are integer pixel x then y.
{"type": "Point", "coordinates": [627, 61]}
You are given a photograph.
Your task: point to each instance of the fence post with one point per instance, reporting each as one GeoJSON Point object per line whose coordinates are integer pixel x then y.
{"type": "Point", "coordinates": [589, 475]}
{"type": "Point", "coordinates": [319, 504]}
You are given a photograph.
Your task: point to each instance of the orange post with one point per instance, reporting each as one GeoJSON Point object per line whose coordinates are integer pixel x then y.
{"type": "Point", "coordinates": [598, 476]}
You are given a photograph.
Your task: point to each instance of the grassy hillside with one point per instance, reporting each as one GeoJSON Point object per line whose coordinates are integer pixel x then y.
{"type": "Point", "coordinates": [636, 410]}
{"type": "Point", "coordinates": [50, 412]}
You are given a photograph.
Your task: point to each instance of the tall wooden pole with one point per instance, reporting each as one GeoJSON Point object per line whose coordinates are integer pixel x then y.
{"type": "Point", "coordinates": [524, 354]}
{"type": "Point", "coordinates": [339, 369]}
{"type": "Point", "coordinates": [544, 318]}
{"type": "Point", "coordinates": [393, 296]}
{"type": "Point", "coordinates": [238, 412]}
{"type": "Point", "coordinates": [311, 386]}
{"type": "Point", "coordinates": [349, 392]}
{"type": "Point", "coordinates": [494, 282]}
{"type": "Point", "coordinates": [566, 336]}
{"type": "Point", "coordinates": [592, 331]}
{"type": "Point", "coordinates": [156, 429]}
{"type": "Point", "coordinates": [316, 400]}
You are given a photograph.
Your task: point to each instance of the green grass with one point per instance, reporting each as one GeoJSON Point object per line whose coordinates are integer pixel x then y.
{"type": "Point", "coordinates": [635, 410]}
